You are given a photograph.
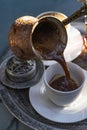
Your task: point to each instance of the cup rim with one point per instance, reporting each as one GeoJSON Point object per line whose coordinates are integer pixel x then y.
{"type": "Point", "coordinates": [48, 13]}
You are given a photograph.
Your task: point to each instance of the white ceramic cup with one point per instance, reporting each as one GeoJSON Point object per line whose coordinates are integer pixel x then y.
{"type": "Point", "coordinates": [62, 98]}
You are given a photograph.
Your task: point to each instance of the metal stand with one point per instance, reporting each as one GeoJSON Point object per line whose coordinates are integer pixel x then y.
{"type": "Point", "coordinates": [20, 71]}
{"type": "Point", "coordinates": [18, 74]}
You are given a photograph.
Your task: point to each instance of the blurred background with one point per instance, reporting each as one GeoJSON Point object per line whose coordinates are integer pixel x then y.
{"type": "Point", "coordinates": [13, 9]}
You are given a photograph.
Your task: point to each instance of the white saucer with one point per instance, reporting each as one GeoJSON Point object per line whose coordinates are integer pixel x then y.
{"type": "Point", "coordinates": [75, 112]}
{"type": "Point", "coordinates": [74, 45]}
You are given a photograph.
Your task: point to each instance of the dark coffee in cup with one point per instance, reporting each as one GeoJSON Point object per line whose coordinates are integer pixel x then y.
{"type": "Point", "coordinates": [59, 82]}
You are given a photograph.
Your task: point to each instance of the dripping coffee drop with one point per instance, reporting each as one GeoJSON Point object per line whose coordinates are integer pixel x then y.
{"type": "Point", "coordinates": [49, 38]}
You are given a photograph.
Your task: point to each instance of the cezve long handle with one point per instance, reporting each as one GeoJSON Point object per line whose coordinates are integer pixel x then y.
{"type": "Point", "coordinates": [81, 12]}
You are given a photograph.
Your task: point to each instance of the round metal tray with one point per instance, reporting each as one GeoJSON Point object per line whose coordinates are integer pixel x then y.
{"type": "Point", "coordinates": [18, 104]}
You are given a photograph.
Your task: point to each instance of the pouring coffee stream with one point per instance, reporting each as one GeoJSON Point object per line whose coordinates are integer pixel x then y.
{"type": "Point", "coordinates": [49, 39]}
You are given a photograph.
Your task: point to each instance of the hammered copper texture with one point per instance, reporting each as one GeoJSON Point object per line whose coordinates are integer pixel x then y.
{"type": "Point", "coordinates": [19, 37]}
